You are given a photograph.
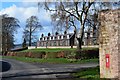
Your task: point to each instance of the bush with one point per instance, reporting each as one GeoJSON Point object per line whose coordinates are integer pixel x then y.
{"type": "Point", "coordinates": [71, 55]}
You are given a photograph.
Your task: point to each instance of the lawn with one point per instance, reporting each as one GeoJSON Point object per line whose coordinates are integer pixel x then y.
{"type": "Point", "coordinates": [90, 74]}
{"type": "Point", "coordinates": [48, 49]}
{"type": "Point", "coordinates": [51, 60]}
{"type": "Point", "coordinates": [54, 49]}
{"type": "Point", "coordinates": [0, 57]}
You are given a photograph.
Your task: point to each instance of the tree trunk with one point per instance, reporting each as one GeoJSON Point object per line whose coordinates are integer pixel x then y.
{"type": "Point", "coordinates": [7, 42]}
{"type": "Point", "coordinates": [82, 32]}
{"type": "Point", "coordinates": [30, 37]}
{"type": "Point", "coordinates": [79, 44]}
{"type": "Point", "coordinates": [80, 37]}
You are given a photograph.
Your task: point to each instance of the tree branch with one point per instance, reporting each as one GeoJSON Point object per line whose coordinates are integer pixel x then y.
{"type": "Point", "coordinates": [63, 9]}
{"type": "Point", "coordinates": [83, 8]}
{"type": "Point", "coordinates": [76, 6]}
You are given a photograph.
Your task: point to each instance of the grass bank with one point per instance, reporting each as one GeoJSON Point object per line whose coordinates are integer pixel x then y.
{"type": "Point", "coordinates": [51, 60]}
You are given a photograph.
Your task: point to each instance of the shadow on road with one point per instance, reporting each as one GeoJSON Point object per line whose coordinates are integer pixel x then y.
{"type": "Point", "coordinates": [5, 66]}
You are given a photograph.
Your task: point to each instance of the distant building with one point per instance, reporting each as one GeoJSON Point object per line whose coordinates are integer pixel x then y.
{"type": "Point", "coordinates": [57, 40]}
{"type": "Point", "coordinates": [90, 38]}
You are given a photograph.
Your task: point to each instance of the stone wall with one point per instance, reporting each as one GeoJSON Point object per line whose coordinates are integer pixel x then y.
{"type": "Point", "coordinates": [109, 43]}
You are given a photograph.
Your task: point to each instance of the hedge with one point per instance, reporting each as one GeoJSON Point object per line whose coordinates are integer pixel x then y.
{"type": "Point", "coordinates": [87, 54]}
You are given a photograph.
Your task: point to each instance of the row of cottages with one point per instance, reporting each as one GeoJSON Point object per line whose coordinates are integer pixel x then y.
{"type": "Point", "coordinates": [57, 40]}
{"type": "Point", "coordinates": [90, 38]}
{"type": "Point", "coordinates": [68, 39]}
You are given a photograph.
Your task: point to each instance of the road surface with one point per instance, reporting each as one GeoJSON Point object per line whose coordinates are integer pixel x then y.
{"type": "Point", "coordinates": [20, 69]}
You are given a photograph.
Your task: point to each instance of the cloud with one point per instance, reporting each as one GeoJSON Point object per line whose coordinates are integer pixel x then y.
{"type": "Point", "coordinates": [22, 13]}
{"type": "Point", "coordinates": [19, 12]}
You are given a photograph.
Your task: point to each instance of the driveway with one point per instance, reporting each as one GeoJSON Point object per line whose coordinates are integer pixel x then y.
{"type": "Point", "coordinates": [41, 70]}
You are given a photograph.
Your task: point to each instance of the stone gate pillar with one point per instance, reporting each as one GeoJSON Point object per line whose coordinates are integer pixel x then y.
{"type": "Point", "coordinates": [109, 44]}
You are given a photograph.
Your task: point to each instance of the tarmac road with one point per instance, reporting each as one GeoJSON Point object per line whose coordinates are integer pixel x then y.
{"type": "Point", "coordinates": [20, 69]}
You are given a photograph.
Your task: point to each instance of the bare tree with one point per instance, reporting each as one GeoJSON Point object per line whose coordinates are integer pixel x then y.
{"type": "Point", "coordinates": [32, 25]}
{"type": "Point", "coordinates": [92, 21]}
{"type": "Point", "coordinates": [9, 26]}
{"type": "Point", "coordinates": [24, 45]}
{"type": "Point", "coordinates": [67, 13]}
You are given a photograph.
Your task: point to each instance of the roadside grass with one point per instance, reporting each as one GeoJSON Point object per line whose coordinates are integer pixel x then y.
{"type": "Point", "coordinates": [89, 74]}
{"type": "Point", "coordinates": [51, 60]}
{"type": "Point", "coordinates": [54, 49]}
{"type": "Point", "coordinates": [0, 57]}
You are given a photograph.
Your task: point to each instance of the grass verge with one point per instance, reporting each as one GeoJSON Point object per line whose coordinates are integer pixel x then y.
{"type": "Point", "coordinates": [51, 60]}
{"type": "Point", "coordinates": [89, 74]}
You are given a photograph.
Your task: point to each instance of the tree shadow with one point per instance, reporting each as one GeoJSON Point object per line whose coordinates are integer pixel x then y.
{"type": "Point", "coordinates": [4, 66]}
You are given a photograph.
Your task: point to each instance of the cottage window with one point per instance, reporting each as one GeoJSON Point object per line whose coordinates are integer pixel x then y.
{"type": "Point", "coordinates": [55, 37]}
{"type": "Point", "coordinates": [40, 38]}
{"type": "Point", "coordinates": [51, 38]}
{"type": "Point", "coordinates": [60, 37]}
{"type": "Point", "coordinates": [91, 35]}
{"type": "Point", "coordinates": [67, 36]}
{"type": "Point", "coordinates": [54, 43]}
{"type": "Point", "coordinates": [64, 36]}
{"type": "Point", "coordinates": [85, 34]}
{"type": "Point", "coordinates": [47, 38]}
